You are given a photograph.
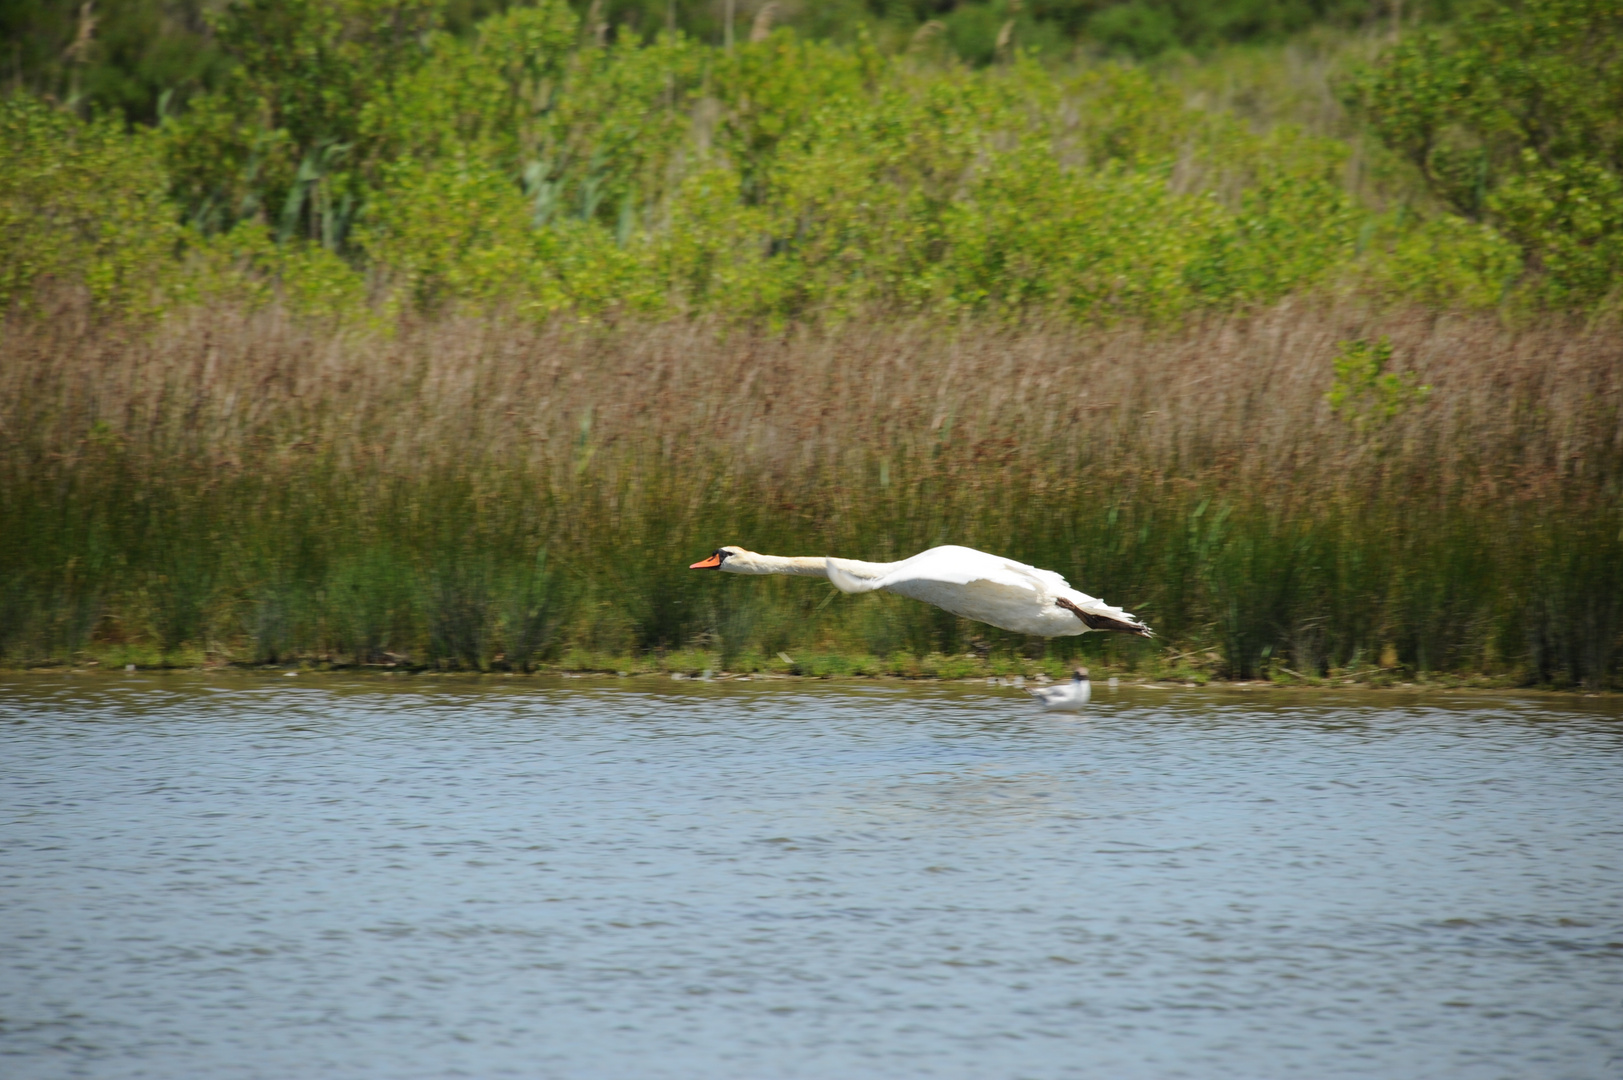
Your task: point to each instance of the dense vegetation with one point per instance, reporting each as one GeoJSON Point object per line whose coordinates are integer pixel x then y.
{"type": "Point", "coordinates": [427, 331]}
{"type": "Point", "coordinates": [353, 153]}
{"type": "Point", "coordinates": [480, 494]}
{"type": "Point", "coordinates": [144, 56]}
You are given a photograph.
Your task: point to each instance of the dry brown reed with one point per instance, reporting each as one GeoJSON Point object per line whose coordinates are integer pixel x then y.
{"type": "Point", "coordinates": [1240, 399]}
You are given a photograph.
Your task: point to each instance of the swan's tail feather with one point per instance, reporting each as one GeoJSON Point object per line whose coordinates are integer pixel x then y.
{"type": "Point", "coordinates": [1095, 621]}
{"type": "Point", "coordinates": [1105, 622]}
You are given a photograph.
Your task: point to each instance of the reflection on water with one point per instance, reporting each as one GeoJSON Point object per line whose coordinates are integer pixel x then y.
{"type": "Point", "coordinates": [234, 877]}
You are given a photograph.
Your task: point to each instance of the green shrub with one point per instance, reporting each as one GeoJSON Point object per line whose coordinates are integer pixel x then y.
{"type": "Point", "coordinates": [1510, 117]}
{"type": "Point", "coordinates": [81, 203]}
{"type": "Point", "coordinates": [356, 160]}
{"type": "Point", "coordinates": [1363, 391]}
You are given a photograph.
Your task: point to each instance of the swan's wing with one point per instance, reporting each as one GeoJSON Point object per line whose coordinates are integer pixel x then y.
{"type": "Point", "coordinates": [1049, 581]}
{"type": "Point", "coordinates": [960, 566]}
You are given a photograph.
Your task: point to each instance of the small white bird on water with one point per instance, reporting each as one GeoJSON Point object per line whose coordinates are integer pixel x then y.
{"type": "Point", "coordinates": [1066, 696]}
{"type": "Point", "coordinates": [987, 588]}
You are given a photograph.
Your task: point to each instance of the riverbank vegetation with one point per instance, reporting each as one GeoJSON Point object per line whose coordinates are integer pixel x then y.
{"type": "Point", "coordinates": [1283, 490]}
{"type": "Point", "coordinates": [415, 337]}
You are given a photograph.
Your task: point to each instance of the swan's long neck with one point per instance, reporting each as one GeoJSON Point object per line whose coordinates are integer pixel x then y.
{"type": "Point", "coordinates": [750, 562]}
{"type": "Point", "coordinates": [801, 565]}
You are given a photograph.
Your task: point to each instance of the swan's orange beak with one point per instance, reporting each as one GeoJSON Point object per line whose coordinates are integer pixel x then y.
{"type": "Point", "coordinates": [706, 564]}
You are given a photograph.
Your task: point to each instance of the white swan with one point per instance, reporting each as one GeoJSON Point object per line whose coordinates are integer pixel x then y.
{"type": "Point", "coordinates": [1065, 696]}
{"type": "Point", "coordinates": [986, 588]}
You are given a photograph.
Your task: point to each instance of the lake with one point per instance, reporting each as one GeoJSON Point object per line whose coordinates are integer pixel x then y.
{"type": "Point", "coordinates": [245, 876]}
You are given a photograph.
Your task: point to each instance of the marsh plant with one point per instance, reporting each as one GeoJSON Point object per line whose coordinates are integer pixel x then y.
{"type": "Point", "coordinates": [256, 488]}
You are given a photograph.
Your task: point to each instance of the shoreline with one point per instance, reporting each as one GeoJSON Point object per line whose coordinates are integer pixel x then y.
{"type": "Point", "coordinates": [1105, 678]}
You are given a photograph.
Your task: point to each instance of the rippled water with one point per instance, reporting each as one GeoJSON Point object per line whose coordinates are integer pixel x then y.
{"type": "Point", "coordinates": [231, 877]}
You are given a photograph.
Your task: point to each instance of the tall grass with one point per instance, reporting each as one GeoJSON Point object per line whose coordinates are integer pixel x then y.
{"type": "Point", "coordinates": [483, 493]}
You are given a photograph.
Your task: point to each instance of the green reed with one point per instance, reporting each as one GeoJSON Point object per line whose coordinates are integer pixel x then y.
{"type": "Point", "coordinates": [489, 496]}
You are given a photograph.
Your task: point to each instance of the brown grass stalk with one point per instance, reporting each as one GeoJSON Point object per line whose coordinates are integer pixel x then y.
{"type": "Point", "coordinates": [1242, 399]}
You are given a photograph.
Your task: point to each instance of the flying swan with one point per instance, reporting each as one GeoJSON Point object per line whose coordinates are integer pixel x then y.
{"type": "Point", "coordinates": [986, 588]}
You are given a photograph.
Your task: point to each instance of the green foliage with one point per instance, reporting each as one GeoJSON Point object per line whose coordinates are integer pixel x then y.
{"type": "Point", "coordinates": [1569, 220]}
{"type": "Point", "coordinates": [1444, 262]}
{"type": "Point", "coordinates": [521, 165]}
{"type": "Point", "coordinates": [143, 58]}
{"type": "Point", "coordinates": [132, 57]}
{"type": "Point", "coordinates": [282, 138]}
{"type": "Point", "coordinates": [246, 266]}
{"type": "Point", "coordinates": [1363, 391]}
{"type": "Point", "coordinates": [1512, 118]}
{"type": "Point", "coordinates": [81, 204]}
{"type": "Point", "coordinates": [313, 65]}
{"type": "Point", "coordinates": [455, 230]}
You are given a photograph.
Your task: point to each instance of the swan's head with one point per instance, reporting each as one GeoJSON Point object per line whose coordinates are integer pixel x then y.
{"type": "Point", "coordinates": [718, 558]}
{"type": "Point", "coordinates": [1081, 674]}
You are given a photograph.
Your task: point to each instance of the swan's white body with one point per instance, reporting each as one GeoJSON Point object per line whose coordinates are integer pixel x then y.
{"type": "Point", "coordinates": [1066, 696]}
{"type": "Point", "coordinates": [974, 584]}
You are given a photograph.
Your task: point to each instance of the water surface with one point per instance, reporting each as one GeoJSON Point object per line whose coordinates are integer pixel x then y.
{"type": "Point", "coordinates": [235, 877]}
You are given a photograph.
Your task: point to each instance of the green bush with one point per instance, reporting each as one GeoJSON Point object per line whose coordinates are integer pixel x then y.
{"type": "Point", "coordinates": [356, 159]}
{"type": "Point", "coordinates": [81, 203]}
{"type": "Point", "coordinates": [1511, 118]}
